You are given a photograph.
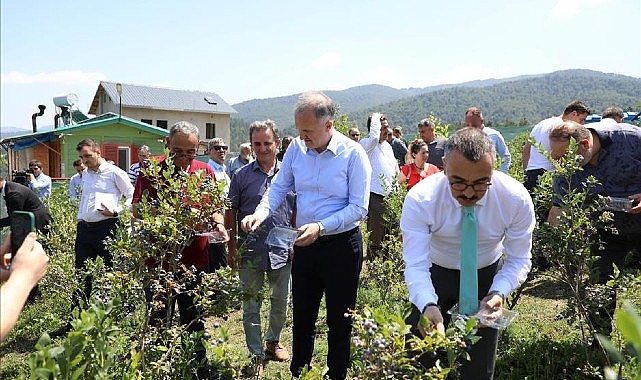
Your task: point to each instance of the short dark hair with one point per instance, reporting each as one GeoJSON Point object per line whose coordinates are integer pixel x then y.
{"type": "Point", "coordinates": [35, 163]}
{"type": "Point", "coordinates": [577, 106]}
{"type": "Point", "coordinates": [426, 123]}
{"type": "Point", "coordinates": [612, 112]}
{"type": "Point", "coordinates": [88, 142]}
{"type": "Point", "coordinates": [264, 125]}
{"type": "Point", "coordinates": [77, 163]}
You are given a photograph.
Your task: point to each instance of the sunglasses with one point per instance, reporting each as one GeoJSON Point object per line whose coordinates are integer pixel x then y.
{"type": "Point", "coordinates": [219, 147]}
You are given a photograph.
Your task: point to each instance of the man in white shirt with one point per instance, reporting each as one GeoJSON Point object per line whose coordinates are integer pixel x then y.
{"type": "Point", "coordinates": [384, 164]}
{"type": "Point", "coordinates": [431, 223]}
{"type": "Point", "coordinates": [474, 118]}
{"type": "Point", "coordinates": [75, 183]}
{"type": "Point", "coordinates": [217, 151]}
{"type": "Point", "coordinates": [39, 182]}
{"type": "Point", "coordinates": [535, 163]}
{"type": "Point", "coordinates": [104, 185]}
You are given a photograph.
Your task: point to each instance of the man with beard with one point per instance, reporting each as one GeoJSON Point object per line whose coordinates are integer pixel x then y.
{"type": "Point", "coordinates": [457, 224]}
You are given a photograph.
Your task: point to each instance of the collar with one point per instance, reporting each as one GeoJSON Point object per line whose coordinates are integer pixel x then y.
{"type": "Point", "coordinates": [101, 167]}
{"type": "Point", "coordinates": [332, 146]}
{"type": "Point", "coordinates": [256, 167]}
{"type": "Point", "coordinates": [216, 166]}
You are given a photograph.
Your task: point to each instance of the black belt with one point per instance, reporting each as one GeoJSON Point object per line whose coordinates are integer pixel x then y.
{"type": "Point", "coordinates": [98, 223]}
{"type": "Point", "coordinates": [326, 238]}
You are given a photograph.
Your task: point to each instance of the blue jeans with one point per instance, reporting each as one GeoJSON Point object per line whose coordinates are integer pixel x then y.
{"type": "Point", "coordinates": [251, 281]}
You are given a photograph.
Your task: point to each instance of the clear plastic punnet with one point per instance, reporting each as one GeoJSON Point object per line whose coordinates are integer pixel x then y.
{"type": "Point", "coordinates": [282, 237]}
{"type": "Point", "coordinates": [496, 319]}
{"type": "Point", "coordinates": [618, 204]}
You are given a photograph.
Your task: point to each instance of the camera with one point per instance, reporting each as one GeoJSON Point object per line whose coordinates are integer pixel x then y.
{"type": "Point", "coordinates": [21, 176]}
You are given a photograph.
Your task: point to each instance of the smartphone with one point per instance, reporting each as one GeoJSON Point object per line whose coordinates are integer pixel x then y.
{"type": "Point", "coordinates": [22, 222]}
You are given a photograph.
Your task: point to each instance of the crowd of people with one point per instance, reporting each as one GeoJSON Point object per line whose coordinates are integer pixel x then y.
{"type": "Point", "coordinates": [466, 226]}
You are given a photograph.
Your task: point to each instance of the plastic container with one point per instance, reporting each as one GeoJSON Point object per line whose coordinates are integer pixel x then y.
{"type": "Point", "coordinates": [496, 319]}
{"type": "Point", "coordinates": [618, 204]}
{"type": "Point", "coordinates": [282, 237]}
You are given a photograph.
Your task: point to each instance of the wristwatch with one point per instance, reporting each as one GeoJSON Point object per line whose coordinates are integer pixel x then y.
{"type": "Point", "coordinates": [321, 228]}
{"type": "Point", "coordinates": [115, 214]}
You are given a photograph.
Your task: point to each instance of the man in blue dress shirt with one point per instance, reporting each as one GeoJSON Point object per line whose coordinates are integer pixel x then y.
{"type": "Point", "coordinates": [330, 175]}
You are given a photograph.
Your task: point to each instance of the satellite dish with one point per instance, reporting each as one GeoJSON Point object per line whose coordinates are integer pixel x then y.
{"type": "Point", "coordinates": [65, 100]}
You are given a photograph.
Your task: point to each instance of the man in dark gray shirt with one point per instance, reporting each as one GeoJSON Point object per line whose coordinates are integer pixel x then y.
{"type": "Point", "coordinates": [257, 259]}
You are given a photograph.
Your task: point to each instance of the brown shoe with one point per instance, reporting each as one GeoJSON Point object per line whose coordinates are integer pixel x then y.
{"type": "Point", "coordinates": [255, 368]}
{"type": "Point", "coordinates": [276, 352]}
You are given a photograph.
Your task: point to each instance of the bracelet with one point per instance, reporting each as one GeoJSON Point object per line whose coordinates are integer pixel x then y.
{"type": "Point", "coordinates": [431, 304]}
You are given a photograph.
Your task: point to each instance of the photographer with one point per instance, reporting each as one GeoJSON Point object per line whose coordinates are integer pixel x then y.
{"type": "Point", "coordinates": [39, 182]}
{"type": "Point", "coordinates": [20, 198]}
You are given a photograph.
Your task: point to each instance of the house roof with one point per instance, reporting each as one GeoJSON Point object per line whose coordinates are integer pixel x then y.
{"type": "Point", "coordinates": [27, 140]}
{"type": "Point", "coordinates": [137, 96]}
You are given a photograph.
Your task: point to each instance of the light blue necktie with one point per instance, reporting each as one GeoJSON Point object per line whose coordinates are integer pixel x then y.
{"type": "Point", "coordinates": [468, 287]}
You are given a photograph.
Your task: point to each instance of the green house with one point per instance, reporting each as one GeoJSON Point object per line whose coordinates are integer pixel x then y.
{"type": "Point", "coordinates": [119, 138]}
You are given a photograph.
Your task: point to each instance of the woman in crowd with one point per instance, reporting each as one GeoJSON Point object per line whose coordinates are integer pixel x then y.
{"type": "Point", "coordinates": [417, 167]}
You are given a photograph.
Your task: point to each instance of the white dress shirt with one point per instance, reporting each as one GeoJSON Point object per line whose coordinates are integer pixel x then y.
{"type": "Point", "coordinates": [431, 226]}
{"type": "Point", "coordinates": [108, 179]}
{"type": "Point", "coordinates": [540, 134]}
{"type": "Point", "coordinates": [332, 187]}
{"type": "Point", "coordinates": [381, 157]}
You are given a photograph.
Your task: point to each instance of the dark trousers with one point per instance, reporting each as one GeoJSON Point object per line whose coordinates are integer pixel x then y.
{"type": "Point", "coordinates": [90, 244]}
{"type": "Point", "coordinates": [614, 250]}
{"type": "Point", "coordinates": [483, 352]}
{"type": "Point", "coordinates": [332, 266]}
{"type": "Point", "coordinates": [532, 178]}
{"type": "Point", "coordinates": [189, 315]}
{"type": "Point", "coordinates": [217, 257]}
{"type": "Point", "coordinates": [375, 224]}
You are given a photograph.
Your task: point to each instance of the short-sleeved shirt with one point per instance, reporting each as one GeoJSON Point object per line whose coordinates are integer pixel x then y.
{"type": "Point", "coordinates": [248, 185]}
{"type": "Point", "coordinates": [196, 253]}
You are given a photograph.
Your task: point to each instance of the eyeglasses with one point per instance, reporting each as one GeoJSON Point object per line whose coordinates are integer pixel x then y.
{"type": "Point", "coordinates": [219, 147]}
{"type": "Point", "coordinates": [462, 186]}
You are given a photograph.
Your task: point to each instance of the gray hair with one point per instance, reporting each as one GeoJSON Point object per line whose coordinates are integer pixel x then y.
{"type": "Point", "coordinates": [216, 141]}
{"type": "Point", "coordinates": [184, 127]}
{"type": "Point", "coordinates": [322, 105]}
{"type": "Point", "coordinates": [472, 143]}
{"type": "Point", "coordinates": [263, 126]}
{"type": "Point", "coordinates": [144, 149]}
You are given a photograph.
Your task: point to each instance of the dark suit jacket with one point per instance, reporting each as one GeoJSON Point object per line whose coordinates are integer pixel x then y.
{"type": "Point", "coordinates": [21, 198]}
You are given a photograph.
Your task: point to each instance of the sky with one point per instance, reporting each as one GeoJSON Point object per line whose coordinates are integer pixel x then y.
{"type": "Point", "coordinates": [245, 50]}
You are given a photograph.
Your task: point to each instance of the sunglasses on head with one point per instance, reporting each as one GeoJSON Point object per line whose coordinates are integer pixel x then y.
{"type": "Point", "coordinates": [219, 147]}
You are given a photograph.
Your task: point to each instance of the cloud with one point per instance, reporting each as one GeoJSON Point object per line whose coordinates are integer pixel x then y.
{"type": "Point", "coordinates": [327, 60]}
{"type": "Point", "coordinates": [567, 8]}
{"type": "Point", "coordinates": [56, 77]}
